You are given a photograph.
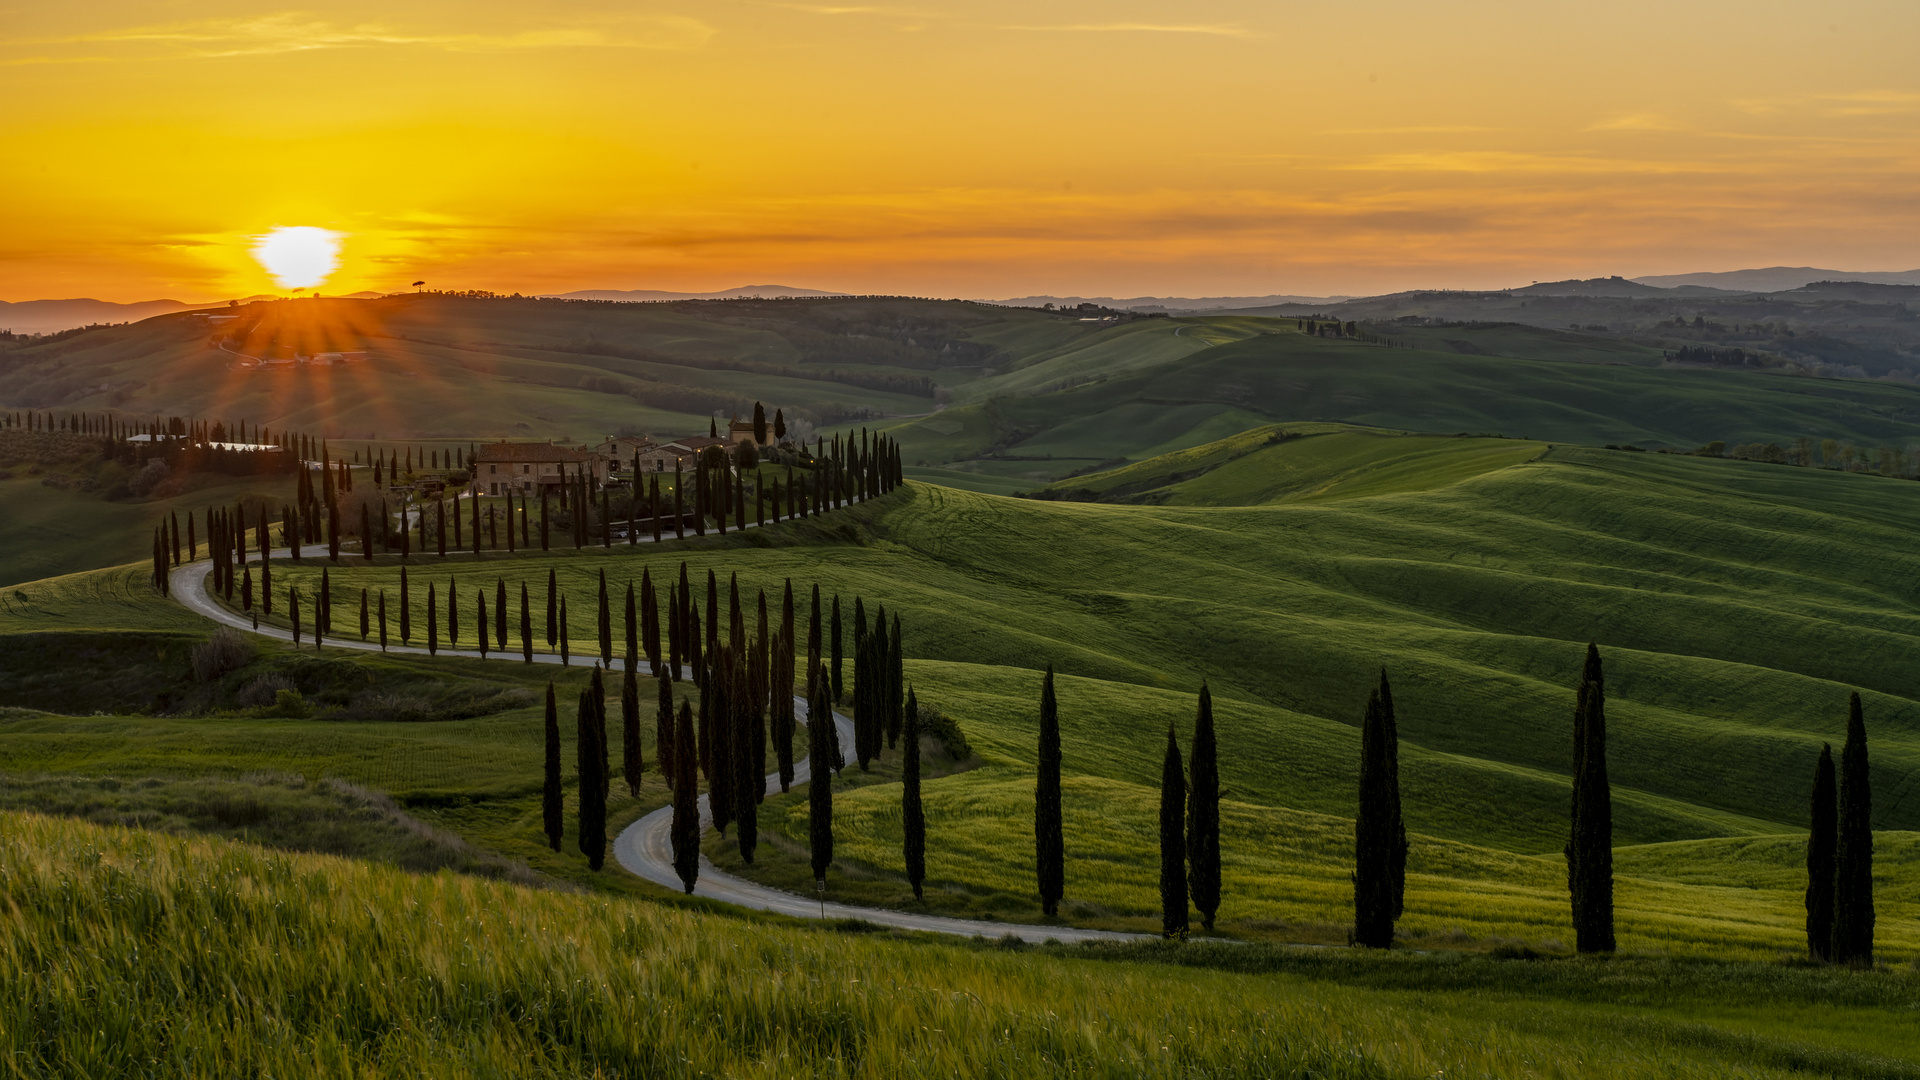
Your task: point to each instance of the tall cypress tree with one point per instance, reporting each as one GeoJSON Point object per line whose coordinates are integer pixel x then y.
{"type": "Point", "coordinates": [686, 802]}
{"type": "Point", "coordinates": [632, 626]}
{"type": "Point", "coordinates": [553, 610]}
{"type": "Point", "coordinates": [1203, 814]}
{"type": "Point", "coordinates": [453, 614]}
{"type": "Point", "coordinates": [781, 697]}
{"type": "Point", "coordinates": [1822, 840]}
{"type": "Point", "coordinates": [650, 621]}
{"type": "Point", "coordinates": [632, 762]}
{"type": "Point", "coordinates": [550, 801]}
{"type": "Point", "coordinates": [383, 620]}
{"type": "Point", "coordinates": [1173, 841]}
{"type": "Point", "coordinates": [526, 625]}
{"type": "Point", "coordinates": [1853, 915]}
{"type": "Point", "coordinates": [1590, 844]}
{"type": "Point", "coordinates": [566, 637]}
{"type": "Point", "coordinates": [406, 608]}
{"type": "Point", "coordinates": [749, 784]}
{"type": "Point", "coordinates": [433, 622]}
{"type": "Point", "coordinates": [1049, 843]}
{"type": "Point", "coordinates": [835, 686]}
{"type": "Point", "coordinates": [664, 736]}
{"type": "Point", "coordinates": [820, 778]}
{"type": "Point", "coordinates": [481, 618]}
{"type": "Point", "coordinates": [913, 818]}
{"type": "Point", "coordinates": [590, 747]}
{"type": "Point", "coordinates": [717, 704]}
{"type": "Point", "coordinates": [499, 614]}
{"type": "Point", "coordinates": [1379, 836]}
{"type": "Point", "coordinates": [896, 683]}
{"type": "Point", "coordinates": [603, 622]}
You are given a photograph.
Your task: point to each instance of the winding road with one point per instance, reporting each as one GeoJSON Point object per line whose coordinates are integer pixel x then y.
{"type": "Point", "coordinates": [645, 848]}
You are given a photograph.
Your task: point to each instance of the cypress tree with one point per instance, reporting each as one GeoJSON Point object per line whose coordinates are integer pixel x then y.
{"type": "Point", "coordinates": [293, 612]}
{"type": "Point", "coordinates": [433, 622]}
{"type": "Point", "coordinates": [1590, 845]}
{"type": "Point", "coordinates": [603, 622]}
{"type": "Point", "coordinates": [1203, 815]}
{"type": "Point", "coordinates": [663, 733]}
{"type": "Point", "coordinates": [590, 743]}
{"type": "Point", "coordinates": [686, 803]}
{"type": "Point", "coordinates": [499, 614]}
{"type": "Point", "coordinates": [835, 686]}
{"type": "Point", "coordinates": [1822, 839]}
{"type": "Point", "coordinates": [650, 621]}
{"type": "Point", "coordinates": [440, 527]}
{"type": "Point", "coordinates": [566, 638]}
{"type": "Point", "coordinates": [781, 699]}
{"type": "Point", "coordinates": [820, 780]}
{"type": "Point", "coordinates": [713, 615]}
{"type": "Point", "coordinates": [406, 609]}
{"type": "Point", "coordinates": [1379, 836]}
{"type": "Point", "coordinates": [913, 818]}
{"type": "Point", "coordinates": [1173, 841]}
{"type": "Point", "coordinates": [632, 762]}
{"type": "Point", "coordinates": [1853, 915]}
{"type": "Point", "coordinates": [1049, 844]}
{"type": "Point", "coordinates": [481, 607]}
{"type": "Point", "coordinates": [749, 783]}
{"type": "Point", "coordinates": [453, 614]}
{"type": "Point", "coordinates": [383, 620]}
{"type": "Point", "coordinates": [553, 611]}
{"type": "Point", "coordinates": [550, 802]}
{"type": "Point", "coordinates": [813, 642]}
{"type": "Point", "coordinates": [633, 631]}
{"type": "Point", "coordinates": [526, 625]}
{"type": "Point", "coordinates": [364, 625]}
{"type": "Point", "coordinates": [323, 611]}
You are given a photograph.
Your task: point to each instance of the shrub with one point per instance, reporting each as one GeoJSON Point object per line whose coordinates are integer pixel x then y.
{"type": "Point", "coordinates": [262, 691]}
{"type": "Point", "coordinates": [938, 725]}
{"type": "Point", "coordinates": [225, 651]}
{"type": "Point", "coordinates": [289, 703]}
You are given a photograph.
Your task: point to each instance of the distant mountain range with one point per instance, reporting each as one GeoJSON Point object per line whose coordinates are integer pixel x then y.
{"type": "Point", "coordinates": [49, 316]}
{"type": "Point", "coordinates": [744, 292]}
{"type": "Point", "coordinates": [1170, 303]}
{"type": "Point", "coordinates": [1778, 278]}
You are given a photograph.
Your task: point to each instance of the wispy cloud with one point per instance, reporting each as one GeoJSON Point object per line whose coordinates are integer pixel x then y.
{"type": "Point", "coordinates": [290, 32]}
{"type": "Point", "coordinates": [1435, 129]}
{"type": "Point", "coordinates": [1507, 161]}
{"type": "Point", "coordinates": [1215, 29]}
{"type": "Point", "coordinates": [1638, 122]}
{"type": "Point", "coordinates": [1853, 103]}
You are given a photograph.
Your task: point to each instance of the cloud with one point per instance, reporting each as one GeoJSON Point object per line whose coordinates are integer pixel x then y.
{"type": "Point", "coordinates": [290, 32]}
{"type": "Point", "coordinates": [1853, 103]}
{"type": "Point", "coordinates": [1215, 29]}
{"type": "Point", "coordinates": [1507, 161]}
{"type": "Point", "coordinates": [1638, 122]}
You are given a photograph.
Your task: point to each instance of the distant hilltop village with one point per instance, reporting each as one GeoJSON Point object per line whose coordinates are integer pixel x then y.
{"type": "Point", "coordinates": [525, 468]}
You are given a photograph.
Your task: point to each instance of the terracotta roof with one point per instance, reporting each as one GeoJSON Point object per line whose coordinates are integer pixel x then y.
{"type": "Point", "coordinates": [698, 442]}
{"type": "Point", "coordinates": [505, 451]}
{"type": "Point", "coordinates": [740, 425]}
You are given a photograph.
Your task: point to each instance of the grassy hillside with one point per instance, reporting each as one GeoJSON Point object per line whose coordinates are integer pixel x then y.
{"type": "Point", "coordinates": [1735, 603]}
{"type": "Point", "coordinates": [1138, 412]}
{"type": "Point", "coordinates": [449, 975]}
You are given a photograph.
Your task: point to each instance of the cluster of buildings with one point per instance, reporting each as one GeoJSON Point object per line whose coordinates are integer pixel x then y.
{"type": "Point", "coordinates": [513, 468]}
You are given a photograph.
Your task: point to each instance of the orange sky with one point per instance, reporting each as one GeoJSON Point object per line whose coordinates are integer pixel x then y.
{"type": "Point", "coordinates": [979, 149]}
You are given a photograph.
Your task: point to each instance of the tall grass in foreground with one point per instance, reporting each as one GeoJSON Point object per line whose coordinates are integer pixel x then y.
{"type": "Point", "coordinates": [124, 952]}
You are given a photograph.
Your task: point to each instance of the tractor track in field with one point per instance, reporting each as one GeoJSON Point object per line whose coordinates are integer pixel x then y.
{"type": "Point", "coordinates": [645, 848]}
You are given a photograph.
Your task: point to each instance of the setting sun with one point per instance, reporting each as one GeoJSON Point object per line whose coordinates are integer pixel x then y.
{"type": "Point", "coordinates": [299, 256]}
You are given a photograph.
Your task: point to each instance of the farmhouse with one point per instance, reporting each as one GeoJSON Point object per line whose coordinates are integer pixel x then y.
{"type": "Point", "coordinates": [683, 452]}
{"type": "Point", "coordinates": [524, 468]}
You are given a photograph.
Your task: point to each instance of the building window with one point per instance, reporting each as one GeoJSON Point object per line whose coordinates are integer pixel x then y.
{"type": "Point", "coordinates": [526, 468]}
{"type": "Point", "coordinates": [491, 469]}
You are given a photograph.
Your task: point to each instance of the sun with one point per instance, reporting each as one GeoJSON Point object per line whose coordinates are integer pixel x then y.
{"type": "Point", "coordinates": [298, 256]}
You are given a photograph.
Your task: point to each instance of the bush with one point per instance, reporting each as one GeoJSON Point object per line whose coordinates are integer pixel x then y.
{"type": "Point", "coordinates": [225, 651]}
{"type": "Point", "coordinates": [938, 725]}
{"type": "Point", "coordinates": [262, 691]}
{"type": "Point", "coordinates": [290, 704]}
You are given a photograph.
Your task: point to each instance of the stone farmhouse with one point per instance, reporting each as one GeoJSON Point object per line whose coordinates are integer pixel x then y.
{"type": "Point", "coordinates": [506, 468]}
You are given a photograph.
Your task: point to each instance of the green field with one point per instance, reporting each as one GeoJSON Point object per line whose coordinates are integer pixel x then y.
{"type": "Point", "coordinates": [357, 969]}
{"type": "Point", "coordinates": [1735, 603]}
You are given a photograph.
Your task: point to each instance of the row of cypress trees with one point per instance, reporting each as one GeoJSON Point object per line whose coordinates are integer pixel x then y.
{"type": "Point", "coordinates": [874, 469]}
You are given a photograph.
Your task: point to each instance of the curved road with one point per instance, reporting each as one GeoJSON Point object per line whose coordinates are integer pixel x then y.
{"type": "Point", "coordinates": [645, 848]}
